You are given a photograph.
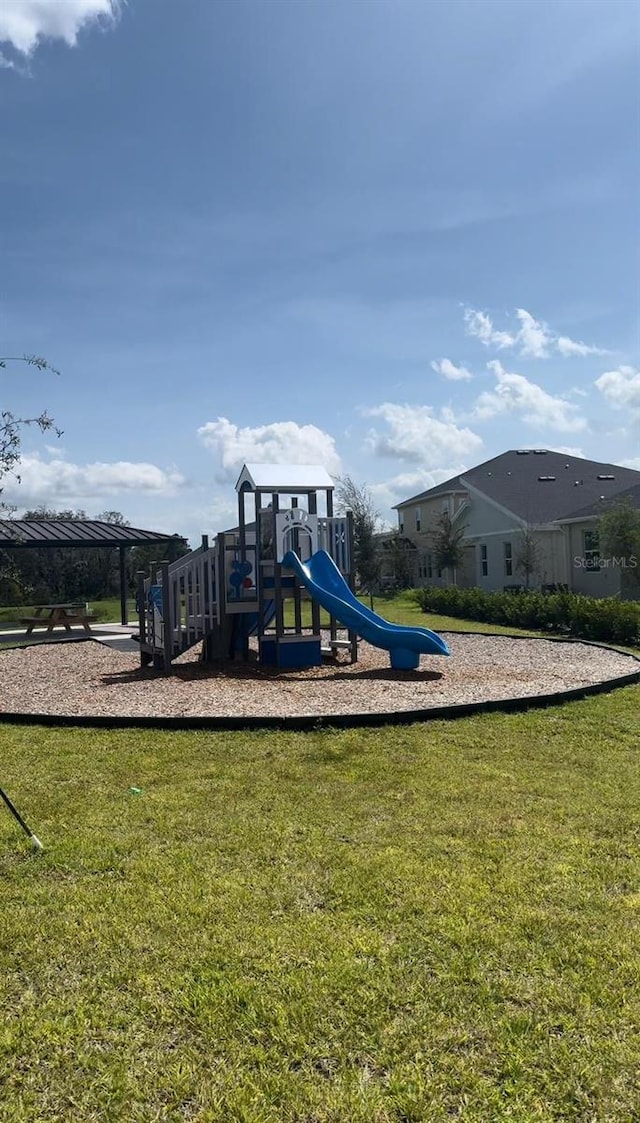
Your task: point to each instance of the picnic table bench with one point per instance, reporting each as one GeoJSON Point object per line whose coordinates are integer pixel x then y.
{"type": "Point", "coordinates": [50, 616]}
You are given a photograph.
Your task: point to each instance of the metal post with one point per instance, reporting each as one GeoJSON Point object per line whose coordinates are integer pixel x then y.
{"type": "Point", "coordinates": [166, 618]}
{"type": "Point", "coordinates": [124, 619]}
{"type": "Point", "coordinates": [352, 580]}
{"type": "Point", "coordinates": [277, 576]}
{"type": "Point", "coordinates": [18, 817]}
{"type": "Point", "coordinates": [259, 574]}
{"type": "Point", "coordinates": [333, 623]}
{"type": "Point", "coordinates": [315, 608]}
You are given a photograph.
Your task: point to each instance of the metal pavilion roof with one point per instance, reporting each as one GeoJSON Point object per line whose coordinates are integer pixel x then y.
{"type": "Point", "coordinates": [25, 533]}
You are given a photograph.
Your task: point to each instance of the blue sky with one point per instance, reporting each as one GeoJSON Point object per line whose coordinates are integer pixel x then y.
{"type": "Point", "coordinates": [393, 237]}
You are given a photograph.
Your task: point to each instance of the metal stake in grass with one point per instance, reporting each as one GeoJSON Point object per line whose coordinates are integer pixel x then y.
{"type": "Point", "coordinates": [16, 814]}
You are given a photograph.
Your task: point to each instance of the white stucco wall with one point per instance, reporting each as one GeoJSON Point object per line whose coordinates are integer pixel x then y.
{"type": "Point", "coordinates": [560, 549]}
{"type": "Point", "coordinates": [601, 582]}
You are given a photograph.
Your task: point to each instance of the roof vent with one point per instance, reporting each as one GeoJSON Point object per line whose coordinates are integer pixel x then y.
{"type": "Point", "coordinates": [544, 479]}
{"type": "Point", "coordinates": [523, 451]}
{"type": "Point", "coordinates": [605, 477]}
{"type": "Point", "coordinates": [539, 452]}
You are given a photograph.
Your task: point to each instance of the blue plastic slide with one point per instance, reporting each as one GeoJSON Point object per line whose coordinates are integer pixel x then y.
{"type": "Point", "coordinates": [323, 579]}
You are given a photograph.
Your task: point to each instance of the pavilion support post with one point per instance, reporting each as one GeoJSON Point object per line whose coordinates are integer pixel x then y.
{"type": "Point", "coordinates": [122, 551]}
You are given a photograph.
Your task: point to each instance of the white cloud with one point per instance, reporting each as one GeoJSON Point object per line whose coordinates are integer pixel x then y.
{"type": "Point", "coordinates": [403, 486]}
{"type": "Point", "coordinates": [570, 347]}
{"type": "Point", "coordinates": [449, 370]}
{"type": "Point", "coordinates": [516, 394]}
{"type": "Point", "coordinates": [52, 481]}
{"type": "Point", "coordinates": [24, 22]}
{"type": "Point", "coordinates": [416, 435]}
{"type": "Point", "coordinates": [282, 442]}
{"type": "Point", "coordinates": [569, 450]}
{"type": "Point", "coordinates": [621, 388]}
{"type": "Point", "coordinates": [534, 338]}
{"type": "Point", "coordinates": [631, 462]}
{"type": "Point", "coordinates": [481, 326]}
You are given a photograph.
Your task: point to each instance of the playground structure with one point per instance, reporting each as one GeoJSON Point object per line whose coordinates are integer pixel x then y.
{"type": "Point", "coordinates": [288, 547]}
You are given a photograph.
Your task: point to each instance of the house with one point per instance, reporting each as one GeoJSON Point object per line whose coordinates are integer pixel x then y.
{"type": "Point", "coordinates": [529, 518]}
{"type": "Point", "coordinates": [592, 574]}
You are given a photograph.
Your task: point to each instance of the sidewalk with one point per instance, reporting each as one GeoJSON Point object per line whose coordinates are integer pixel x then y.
{"type": "Point", "coordinates": [116, 636]}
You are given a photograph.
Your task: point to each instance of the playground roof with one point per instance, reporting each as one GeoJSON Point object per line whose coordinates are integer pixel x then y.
{"type": "Point", "coordinates": [290, 478]}
{"type": "Point", "coordinates": [25, 533]}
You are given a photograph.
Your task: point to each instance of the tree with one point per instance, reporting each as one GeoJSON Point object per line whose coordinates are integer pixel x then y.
{"type": "Point", "coordinates": [527, 559]}
{"type": "Point", "coordinates": [618, 531]}
{"type": "Point", "coordinates": [359, 501]}
{"type": "Point", "coordinates": [11, 426]}
{"type": "Point", "coordinates": [149, 558]}
{"type": "Point", "coordinates": [402, 552]}
{"type": "Point", "coordinates": [448, 544]}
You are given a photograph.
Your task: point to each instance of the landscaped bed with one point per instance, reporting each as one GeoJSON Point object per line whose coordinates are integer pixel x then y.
{"type": "Point", "coordinates": [89, 679]}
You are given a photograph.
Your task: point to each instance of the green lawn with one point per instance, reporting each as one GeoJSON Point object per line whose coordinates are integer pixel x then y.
{"type": "Point", "coordinates": [402, 608]}
{"type": "Point", "coordinates": [428, 922]}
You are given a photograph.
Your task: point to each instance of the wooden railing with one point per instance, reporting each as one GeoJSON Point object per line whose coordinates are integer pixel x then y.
{"type": "Point", "coordinates": [184, 592]}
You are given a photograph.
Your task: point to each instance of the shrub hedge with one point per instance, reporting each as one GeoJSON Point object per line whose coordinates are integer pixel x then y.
{"type": "Point", "coordinates": [595, 618]}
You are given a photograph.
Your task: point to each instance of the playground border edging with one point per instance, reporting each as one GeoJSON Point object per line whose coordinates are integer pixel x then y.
{"type": "Point", "coordinates": [312, 722]}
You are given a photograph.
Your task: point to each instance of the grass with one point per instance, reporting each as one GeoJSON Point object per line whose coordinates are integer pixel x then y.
{"type": "Point", "coordinates": [422, 923]}
{"type": "Point", "coordinates": [402, 608]}
{"type": "Point", "coordinates": [108, 611]}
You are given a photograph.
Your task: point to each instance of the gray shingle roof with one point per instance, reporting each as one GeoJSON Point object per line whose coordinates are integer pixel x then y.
{"type": "Point", "coordinates": [539, 485]}
{"type": "Point", "coordinates": [597, 508]}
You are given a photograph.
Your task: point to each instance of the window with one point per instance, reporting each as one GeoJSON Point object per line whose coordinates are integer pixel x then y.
{"type": "Point", "coordinates": [484, 561]}
{"type": "Point", "coordinates": [429, 565]}
{"type": "Point", "coordinates": [423, 566]}
{"type": "Point", "coordinates": [591, 550]}
{"type": "Point", "coordinates": [508, 559]}
{"type": "Point", "coordinates": [401, 524]}
{"type": "Point", "coordinates": [418, 519]}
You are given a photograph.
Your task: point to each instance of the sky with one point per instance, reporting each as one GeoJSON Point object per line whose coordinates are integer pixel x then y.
{"type": "Point", "coordinates": [393, 237]}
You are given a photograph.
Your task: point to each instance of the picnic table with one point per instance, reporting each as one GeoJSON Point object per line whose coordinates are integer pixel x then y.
{"type": "Point", "coordinates": [50, 616]}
